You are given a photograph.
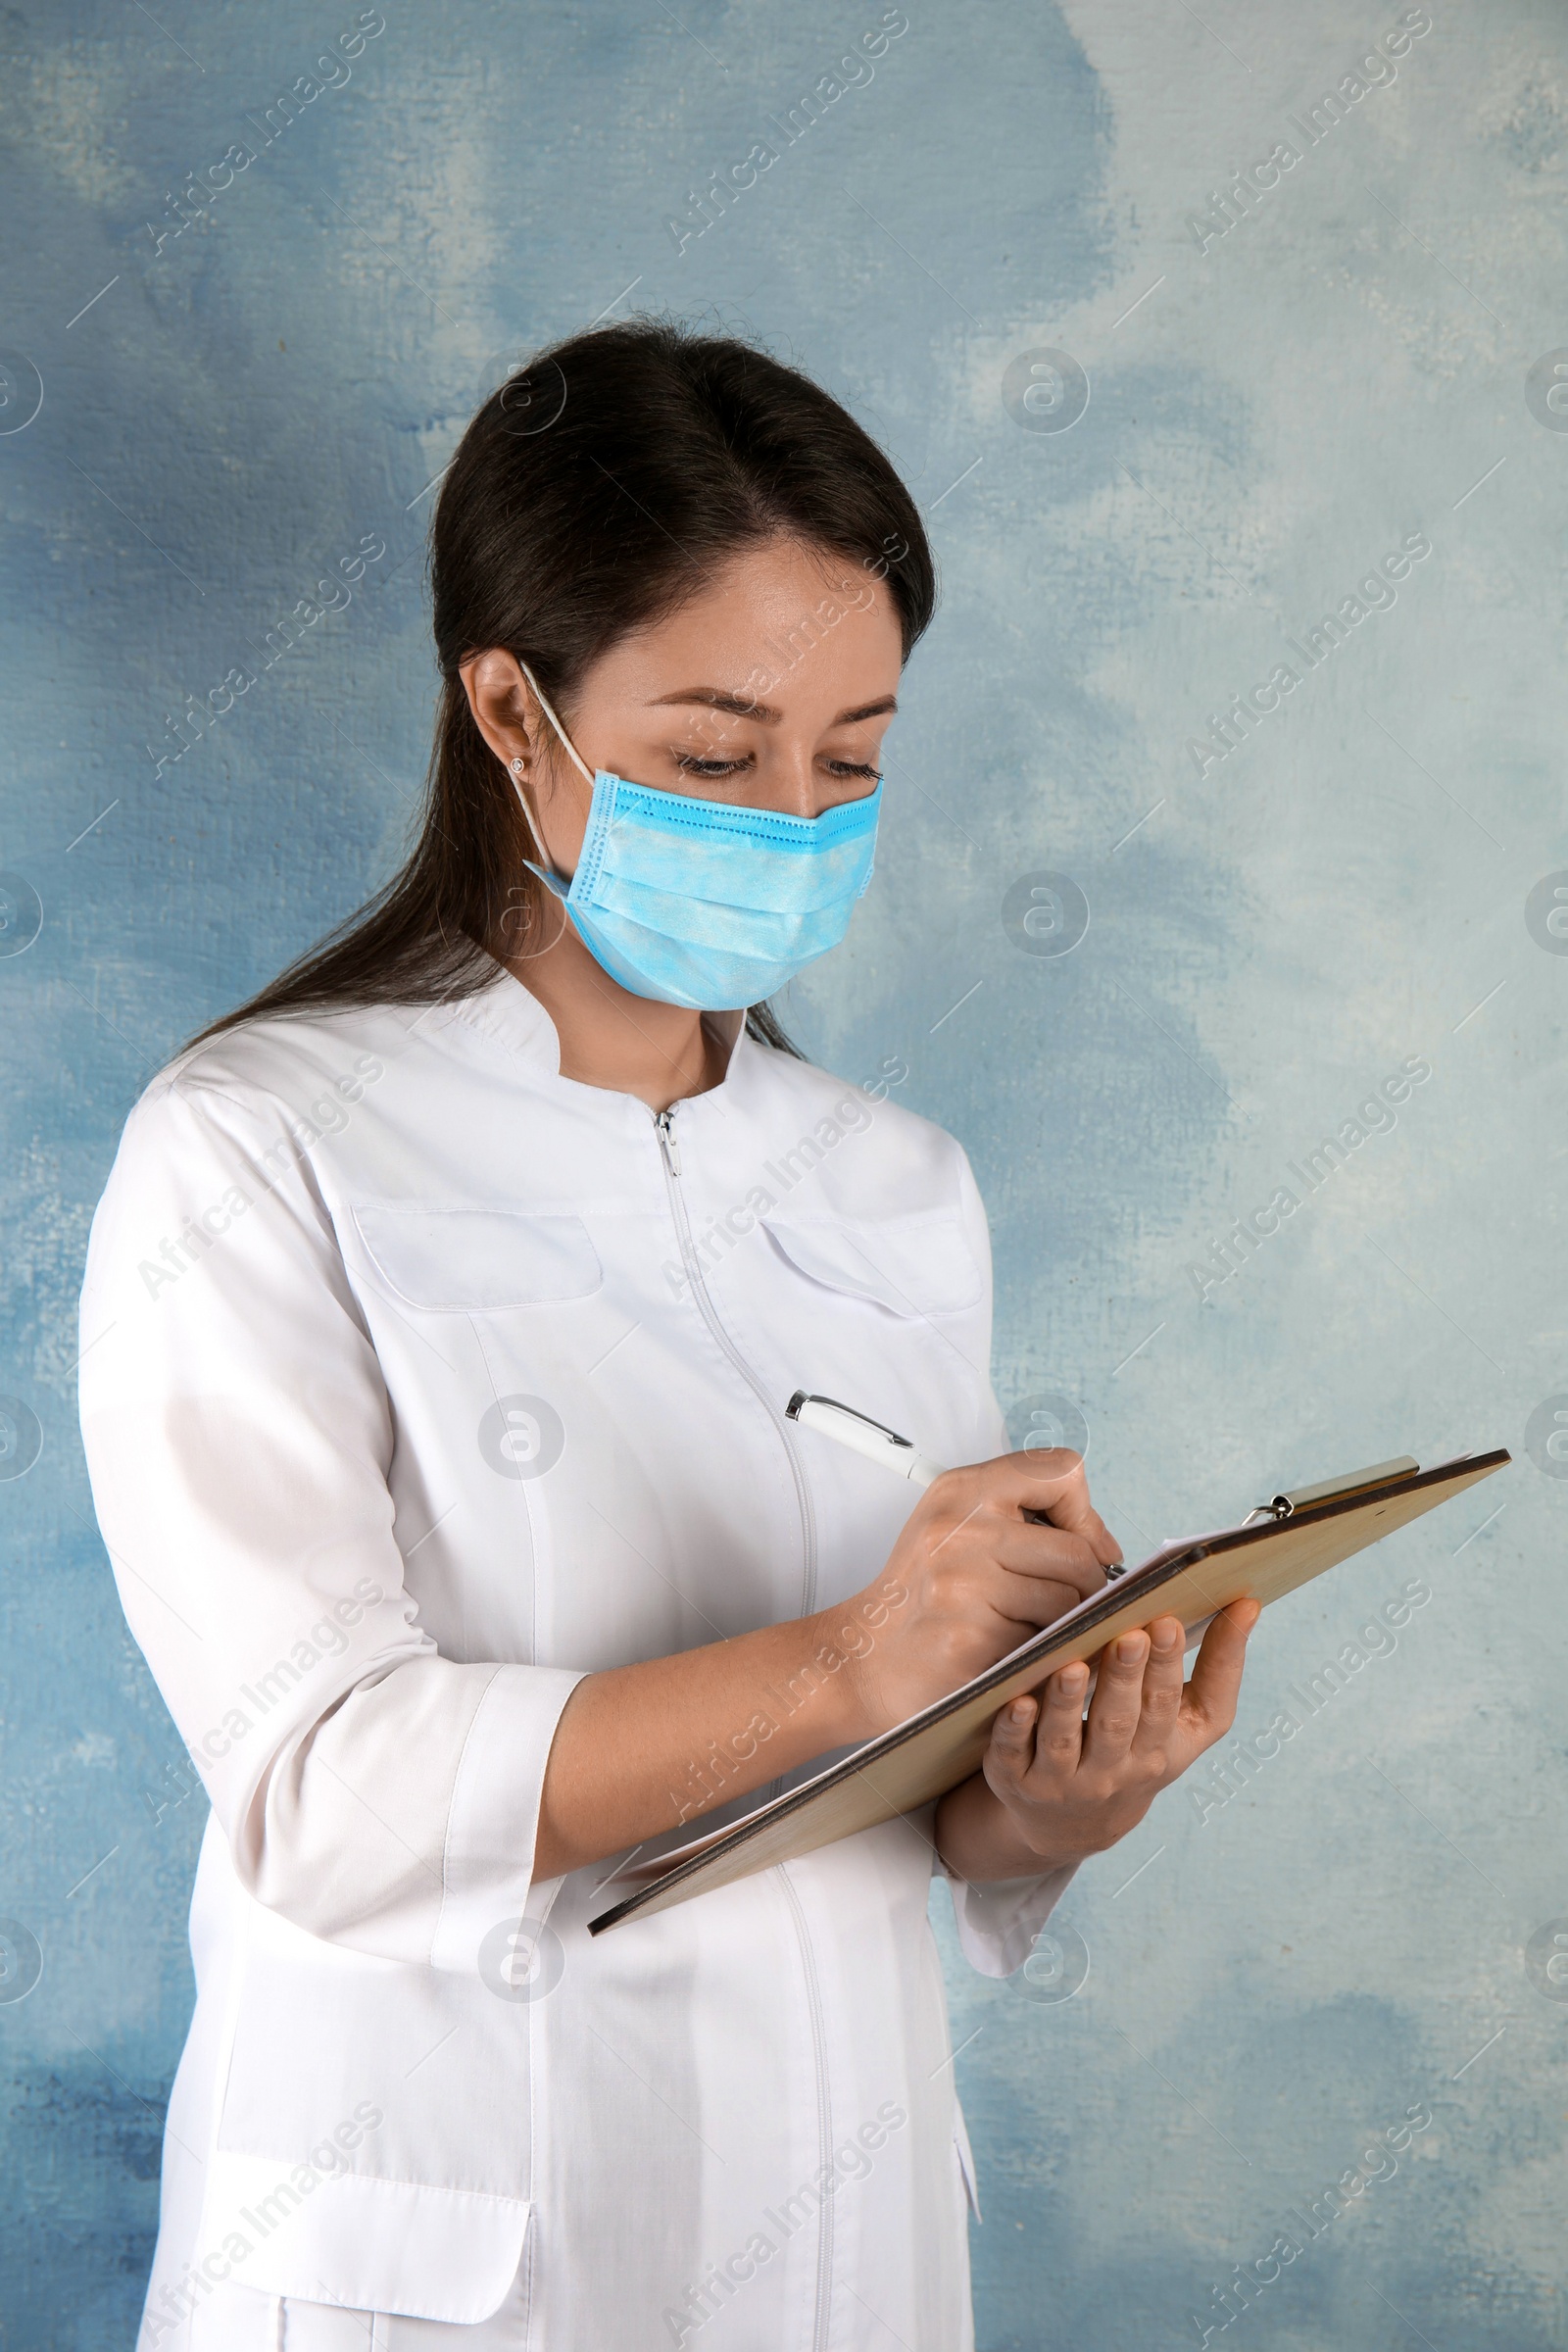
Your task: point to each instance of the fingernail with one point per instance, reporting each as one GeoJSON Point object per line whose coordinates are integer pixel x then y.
{"type": "Point", "coordinates": [1167, 1637]}
{"type": "Point", "coordinates": [1073, 1678]}
{"type": "Point", "coordinates": [1129, 1648]}
{"type": "Point", "coordinates": [1020, 1711]}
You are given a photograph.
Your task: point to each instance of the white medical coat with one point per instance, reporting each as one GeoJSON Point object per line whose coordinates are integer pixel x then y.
{"type": "Point", "coordinates": [418, 1382]}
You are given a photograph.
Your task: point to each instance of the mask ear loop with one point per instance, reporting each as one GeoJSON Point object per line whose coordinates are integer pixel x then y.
{"type": "Point", "coordinates": [569, 748]}
{"type": "Point", "coordinates": [515, 769]}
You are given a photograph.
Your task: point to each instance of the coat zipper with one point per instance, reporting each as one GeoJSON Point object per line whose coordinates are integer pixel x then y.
{"type": "Point", "coordinates": [669, 1153]}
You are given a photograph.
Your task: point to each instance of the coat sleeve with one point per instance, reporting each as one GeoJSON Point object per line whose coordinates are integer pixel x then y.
{"type": "Point", "coordinates": [998, 1924]}
{"type": "Point", "coordinates": [238, 1439]}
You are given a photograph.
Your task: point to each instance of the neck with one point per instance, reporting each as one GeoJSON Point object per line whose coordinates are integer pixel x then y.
{"type": "Point", "coordinates": [610, 1038]}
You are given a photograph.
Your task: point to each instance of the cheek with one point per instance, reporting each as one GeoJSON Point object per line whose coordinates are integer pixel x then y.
{"type": "Point", "coordinates": [563, 804]}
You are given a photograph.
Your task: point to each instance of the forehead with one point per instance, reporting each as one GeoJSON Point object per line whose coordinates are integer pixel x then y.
{"type": "Point", "coordinates": [810, 632]}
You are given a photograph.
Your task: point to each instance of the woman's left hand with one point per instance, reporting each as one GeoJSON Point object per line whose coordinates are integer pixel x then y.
{"type": "Point", "coordinates": [1056, 1785]}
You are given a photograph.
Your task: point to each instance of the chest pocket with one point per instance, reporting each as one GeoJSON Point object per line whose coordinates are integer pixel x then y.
{"type": "Point", "coordinates": [477, 1260]}
{"type": "Point", "coordinates": [913, 1266]}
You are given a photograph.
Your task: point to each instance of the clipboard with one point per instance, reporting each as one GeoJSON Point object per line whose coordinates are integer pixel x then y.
{"type": "Point", "coordinates": [1280, 1545]}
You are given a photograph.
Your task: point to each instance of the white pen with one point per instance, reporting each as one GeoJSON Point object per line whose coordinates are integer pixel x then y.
{"type": "Point", "coordinates": [861, 1435]}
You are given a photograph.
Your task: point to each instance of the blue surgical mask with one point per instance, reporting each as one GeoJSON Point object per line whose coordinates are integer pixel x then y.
{"type": "Point", "coordinates": [701, 904]}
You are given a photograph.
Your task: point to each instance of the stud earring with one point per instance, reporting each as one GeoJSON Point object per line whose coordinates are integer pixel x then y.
{"type": "Point", "coordinates": [518, 766]}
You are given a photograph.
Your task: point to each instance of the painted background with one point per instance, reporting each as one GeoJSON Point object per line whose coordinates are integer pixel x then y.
{"type": "Point", "coordinates": [1275, 1975]}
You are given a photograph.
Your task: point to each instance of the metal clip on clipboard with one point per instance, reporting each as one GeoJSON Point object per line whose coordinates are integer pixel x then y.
{"type": "Point", "coordinates": [1332, 1490]}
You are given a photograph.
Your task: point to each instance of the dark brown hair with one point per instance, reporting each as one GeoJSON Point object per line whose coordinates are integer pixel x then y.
{"type": "Point", "coordinates": [592, 494]}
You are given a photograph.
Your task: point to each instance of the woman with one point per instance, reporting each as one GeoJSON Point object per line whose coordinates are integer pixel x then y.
{"type": "Point", "coordinates": [439, 1317]}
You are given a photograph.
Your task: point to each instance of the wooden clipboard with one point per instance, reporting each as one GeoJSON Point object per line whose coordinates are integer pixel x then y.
{"type": "Point", "coordinates": [1281, 1544]}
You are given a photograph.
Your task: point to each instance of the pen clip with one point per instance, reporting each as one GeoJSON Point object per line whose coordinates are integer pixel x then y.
{"type": "Point", "coordinates": [791, 1413]}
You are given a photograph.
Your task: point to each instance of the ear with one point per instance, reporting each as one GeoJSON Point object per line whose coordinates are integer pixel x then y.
{"type": "Point", "coordinates": [504, 707]}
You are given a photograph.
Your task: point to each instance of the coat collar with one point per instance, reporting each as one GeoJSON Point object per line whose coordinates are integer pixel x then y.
{"type": "Point", "coordinates": [507, 1015]}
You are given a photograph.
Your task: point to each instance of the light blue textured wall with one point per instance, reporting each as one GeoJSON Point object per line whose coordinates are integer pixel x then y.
{"type": "Point", "coordinates": [230, 411]}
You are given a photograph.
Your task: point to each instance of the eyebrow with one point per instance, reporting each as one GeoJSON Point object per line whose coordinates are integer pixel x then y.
{"type": "Point", "coordinates": [716, 698]}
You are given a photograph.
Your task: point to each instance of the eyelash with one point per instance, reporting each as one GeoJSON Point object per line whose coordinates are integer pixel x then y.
{"type": "Point", "coordinates": [714, 770]}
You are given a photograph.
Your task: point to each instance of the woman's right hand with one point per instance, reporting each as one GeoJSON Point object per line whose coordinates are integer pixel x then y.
{"type": "Point", "coordinates": [968, 1580]}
